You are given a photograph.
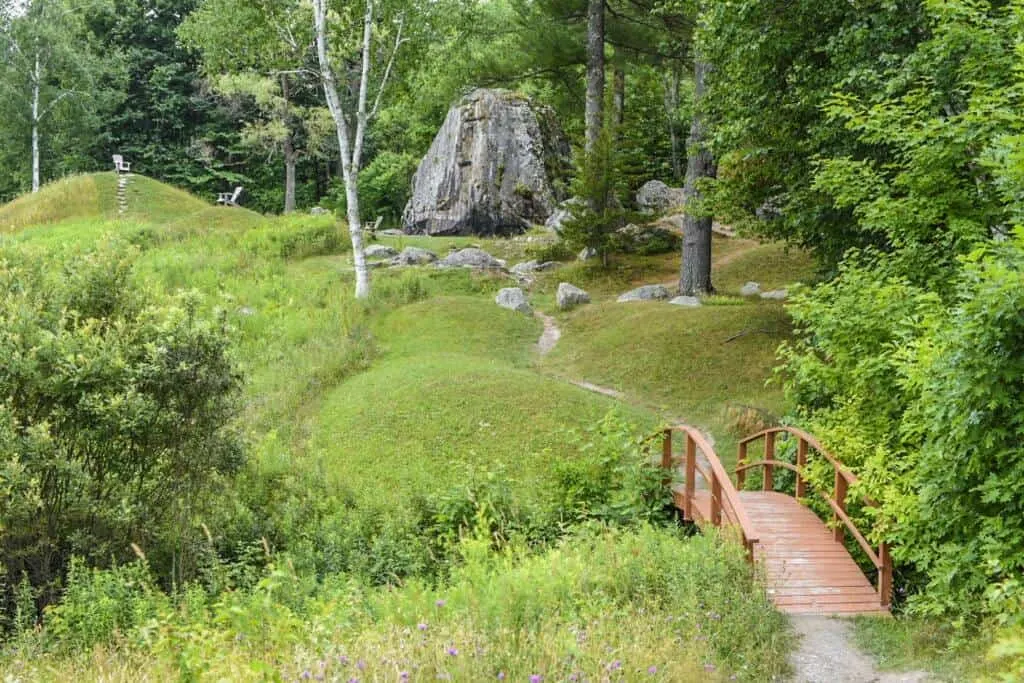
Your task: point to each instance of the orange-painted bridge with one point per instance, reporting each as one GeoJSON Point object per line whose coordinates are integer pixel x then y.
{"type": "Point", "coordinates": [805, 562]}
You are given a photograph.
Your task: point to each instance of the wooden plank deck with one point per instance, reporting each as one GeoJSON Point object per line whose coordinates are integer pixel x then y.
{"type": "Point", "coordinates": [807, 571]}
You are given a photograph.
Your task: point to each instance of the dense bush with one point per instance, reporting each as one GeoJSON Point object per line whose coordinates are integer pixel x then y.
{"type": "Point", "coordinates": [296, 236]}
{"type": "Point", "coordinates": [923, 399]}
{"type": "Point", "coordinates": [114, 408]}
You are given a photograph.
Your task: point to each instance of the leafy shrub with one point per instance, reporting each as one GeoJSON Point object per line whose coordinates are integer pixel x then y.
{"type": "Point", "coordinates": [544, 252]}
{"type": "Point", "coordinates": [295, 237]}
{"type": "Point", "coordinates": [114, 408]}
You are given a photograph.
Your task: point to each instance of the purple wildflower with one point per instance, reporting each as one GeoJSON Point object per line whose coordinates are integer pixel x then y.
{"type": "Point", "coordinates": [536, 678]}
{"type": "Point", "coordinates": [652, 670]}
{"type": "Point", "coordinates": [306, 675]}
{"type": "Point", "coordinates": [709, 667]}
{"type": "Point", "coordinates": [574, 677]}
{"type": "Point", "coordinates": [403, 675]}
{"type": "Point", "coordinates": [422, 627]}
{"type": "Point", "coordinates": [501, 675]}
{"type": "Point", "coordinates": [452, 651]}
{"type": "Point", "coordinates": [440, 603]}
{"type": "Point", "coordinates": [615, 666]}
{"type": "Point", "coordinates": [343, 660]}
{"type": "Point", "coordinates": [360, 665]}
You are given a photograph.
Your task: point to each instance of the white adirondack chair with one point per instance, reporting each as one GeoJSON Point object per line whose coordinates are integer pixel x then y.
{"type": "Point", "coordinates": [120, 165]}
{"type": "Point", "coordinates": [230, 198]}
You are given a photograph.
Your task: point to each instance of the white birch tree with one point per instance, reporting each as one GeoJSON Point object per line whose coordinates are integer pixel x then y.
{"type": "Point", "coordinates": [46, 63]}
{"type": "Point", "coordinates": [352, 117]}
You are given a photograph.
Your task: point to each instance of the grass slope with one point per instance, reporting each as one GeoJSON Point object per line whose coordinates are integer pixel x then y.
{"type": "Point", "coordinates": [82, 196]}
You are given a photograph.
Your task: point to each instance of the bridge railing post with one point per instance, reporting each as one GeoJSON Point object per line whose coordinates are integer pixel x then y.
{"type": "Point", "coordinates": [666, 457]}
{"type": "Point", "coordinates": [885, 575]}
{"type": "Point", "coordinates": [769, 456]}
{"type": "Point", "coordinates": [691, 475]}
{"type": "Point", "coordinates": [801, 463]}
{"type": "Point", "coordinates": [839, 494]}
{"type": "Point", "coordinates": [741, 459]}
{"type": "Point", "coordinates": [716, 501]}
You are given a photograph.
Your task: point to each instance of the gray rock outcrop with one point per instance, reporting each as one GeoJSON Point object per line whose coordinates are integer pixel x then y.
{"type": "Point", "coordinates": [562, 213]}
{"type": "Point", "coordinates": [514, 299]}
{"type": "Point", "coordinates": [645, 293]}
{"type": "Point", "coordinates": [471, 258]}
{"type": "Point", "coordinates": [379, 251]}
{"type": "Point", "coordinates": [750, 289]}
{"type": "Point", "coordinates": [492, 169]}
{"type": "Point", "coordinates": [587, 254]}
{"type": "Point", "coordinates": [413, 256]}
{"type": "Point", "coordinates": [570, 296]}
{"type": "Point", "coordinates": [687, 301]}
{"type": "Point", "coordinates": [775, 295]}
{"type": "Point", "coordinates": [656, 196]}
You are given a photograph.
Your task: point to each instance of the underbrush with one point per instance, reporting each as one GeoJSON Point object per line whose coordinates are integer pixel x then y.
{"type": "Point", "coordinates": [645, 604]}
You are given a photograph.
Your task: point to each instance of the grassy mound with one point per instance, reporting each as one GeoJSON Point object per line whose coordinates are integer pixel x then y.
{"type": "Point", "coordinates": [82, 196]}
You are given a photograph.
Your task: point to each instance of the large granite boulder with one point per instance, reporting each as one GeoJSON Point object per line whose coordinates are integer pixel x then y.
{"type": "Point", "coordinates": [645, 293]}
{"type": "Point", "coordinates": [570, 296]}
{"type": "Point", "coordinates": [413, 256]}
{"type": "Point", "coordinates": [656, 196]}
{"type": "Point", "coordinates": [493, 169]}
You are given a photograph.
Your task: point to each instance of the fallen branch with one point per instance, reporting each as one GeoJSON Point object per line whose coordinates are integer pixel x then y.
{"type": "Point", "coordinates": [744, 333]}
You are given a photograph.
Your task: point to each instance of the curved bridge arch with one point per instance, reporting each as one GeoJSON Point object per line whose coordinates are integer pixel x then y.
{"type": "Point", "coordinates": [806, 563]}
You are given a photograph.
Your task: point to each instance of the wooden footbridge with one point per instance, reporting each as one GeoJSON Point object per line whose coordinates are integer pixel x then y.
{"type": "Point", "coordinates": [805, 562]}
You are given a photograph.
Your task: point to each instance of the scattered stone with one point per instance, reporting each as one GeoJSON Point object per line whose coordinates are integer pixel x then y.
{"type": "Point", "coordinates": [750, 289]}
{"type": "Point", "coordinates": [247, 311]}
{"type": "Point", "coordinates": [471, 258]}
{"type": "Point", "coordinates": [549, 265]}
{"type": "Point", "coordinates": [318, 211]}
{"type": "Point", "coordinates": [491, 169]}
{"type": "Point", "coordinates": [413, 256]}
{"type": "Point", "coordinates": [655, 196]}
{"type": "Point", "coordinates": [775, 295]}
{"type": "Point", "coordinates": [688, 301]}
{"type": "Point", "coordinates": [569, 296]}
{"type": "Point", "coordinates": [645, 293]}
{"type": "Point", "coordinates": [391, 232]}
{"type": "Point", "coordinates": [587, 254]}
{"type": "Point", "coordinates": [513, 299]}
{"type": "Point", "coordinates": [380, 251]}
{"type": "Point", "coordinates": [527, 267]}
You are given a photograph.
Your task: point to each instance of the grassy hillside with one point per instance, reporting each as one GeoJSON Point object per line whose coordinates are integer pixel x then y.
{"type": "Point", "coordinates": [372, 426]}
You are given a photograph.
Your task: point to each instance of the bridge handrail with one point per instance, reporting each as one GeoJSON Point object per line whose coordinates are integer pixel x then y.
{"type": "Point", "coordinates": [718, 479]}
{"type": "Point", "coordinates": [842, 480]}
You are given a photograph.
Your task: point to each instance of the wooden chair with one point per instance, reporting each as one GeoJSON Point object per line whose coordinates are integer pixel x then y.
{"type": "Point", "coordinates": [230, 198]}
{"type": "Point", "coordinates": [120, 165]}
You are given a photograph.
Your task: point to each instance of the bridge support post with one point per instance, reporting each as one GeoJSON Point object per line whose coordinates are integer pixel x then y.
{"type": "Point", "coordinates": [769, 456]}
{"type": "Point", "coordinates": [741, 459]}
{"type": "Point", "coordinates": [691, 475]}
{"type": "Point", "coordinates": [666, 457]}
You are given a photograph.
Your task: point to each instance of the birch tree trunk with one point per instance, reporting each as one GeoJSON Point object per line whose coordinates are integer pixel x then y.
{"type": "Point", "coordinates": [290, 157]}
{"type": "Point", "coordinates": [35, 126]}
{"type": "Point", "coordinates": [595, 72]}
{"type": "Point", "coordinates": [619, 94]}
{"type": "Point", "coordinates": [351, 152]}
{"type": "Point", "coordinates": [695, 272]}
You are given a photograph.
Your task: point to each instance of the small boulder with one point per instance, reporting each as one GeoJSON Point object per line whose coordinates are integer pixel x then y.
{"type": "Point", "coordinates": [513, 299]}
{"type": "Point", "coordinates": [645, 293]}
{"type": "Point", "coordinates": [750, 289]}
{"type": "Point", "coordinates": [569, 296]}
{"type": "Point", "coordinates": [391, 232]}
{"type": "Point", "coordinates": [587, 254]}
{"type": "Point", "coordinates": [525, 268]}
{"type": "Point", "coordinates": [471, 258]}
{"type": "Point", "coordinates": [380, 251]}
{"type": "Point", "coordinates": [655, 196]}
{"type": "Point", "coordinates": [775, 295]}
{"type": "Point", "coordinates": [688, 301]}
{"type": "Point", "coordinates": [413, 256]}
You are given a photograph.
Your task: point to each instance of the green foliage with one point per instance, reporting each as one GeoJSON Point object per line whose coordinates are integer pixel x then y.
{"type": "Point", "coordinates": [298, 237]}
{"type": "Point", "coordinates": [113, 412]}
{"type": "Point", "coordinates": [384, 187]}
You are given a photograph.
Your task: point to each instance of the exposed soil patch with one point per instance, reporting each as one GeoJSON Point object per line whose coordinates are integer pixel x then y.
{"type": "Point", "coordinates": [827, 655]}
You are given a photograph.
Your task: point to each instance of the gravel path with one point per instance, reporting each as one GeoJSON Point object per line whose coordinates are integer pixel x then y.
{"type": "Point", "coordinates": [550, 336]}
{"type": "Point", "coordinates": [827, 655]}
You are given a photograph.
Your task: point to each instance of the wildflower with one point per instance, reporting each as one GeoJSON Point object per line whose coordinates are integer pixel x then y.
{"type": "Point", "coordinates": [615, 666]}
{"type": "Point", "coordinates": [440, 603]}
{"type": "Point", "coordinates": [709, 667]}
{"type": "Point", "coordinates": [501, 675]}
{"type": "Point", "coordinates": [361, 665]}
{"type": "Point", "coordinates": [452, 651]}
{"type": "Point", "coordinates": [403, 675]}
{"type": "Point", "coordinates": [536, 678]}
{"type": "Point", "coordinates": [306, 675]}
{"type": "Point", "coordinates": [574, 677]}
{"type": "Point", "coordinates": [422, 627]}
{"type": "Point", "coordinates": [652, 670]}
{"type": "Point", "coordinates": [343, 660]}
